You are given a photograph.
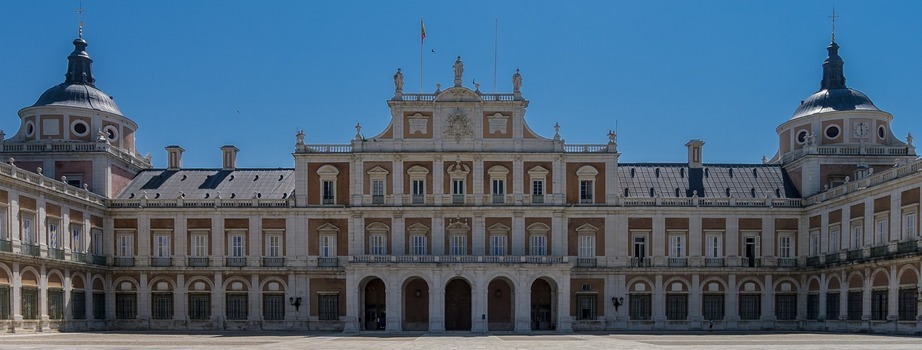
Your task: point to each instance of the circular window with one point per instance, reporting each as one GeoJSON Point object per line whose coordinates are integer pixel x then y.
{"type": "Point", "coordinates": [79, 128]}
{"type": "Point", "coordinates": [832, 131]}
{"type": "Point", "coordinates": [111, 132]}
{"type": "Point", "coordinates": [802, 137]}
{"type": "Point", "coordinates": [881, 132]}
{"type": "Point", "coordinates": [30, 128]}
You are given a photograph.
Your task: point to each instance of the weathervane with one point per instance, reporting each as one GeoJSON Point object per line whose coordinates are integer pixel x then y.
{"type": "Point", "coordinates": [833, 17]}
{"type": "Point", "coordinates": [80, 20]}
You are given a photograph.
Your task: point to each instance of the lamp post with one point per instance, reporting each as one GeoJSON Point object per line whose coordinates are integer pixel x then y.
{"type": "Point", "coordinates": [295, 301]}
{"type": "Point", "coordinates": [617, 302]}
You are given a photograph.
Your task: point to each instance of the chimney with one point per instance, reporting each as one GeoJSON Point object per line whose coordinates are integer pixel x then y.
{"type": "Point", "coordinates": [174, 157]}
{"type": "Point", "coordinates": [229, 154]}
{"type": "Point", "coordinates": [694, 153]}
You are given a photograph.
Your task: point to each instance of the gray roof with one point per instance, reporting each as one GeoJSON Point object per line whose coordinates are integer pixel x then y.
{"type": "Point", "coordinates": [78, 95]}
{"type": "Point", "coordinates": [845, 99]}
{"type": "Point", "coordinates": [207, 183]}
{"type": "Point", "coordinates": [710, 181]}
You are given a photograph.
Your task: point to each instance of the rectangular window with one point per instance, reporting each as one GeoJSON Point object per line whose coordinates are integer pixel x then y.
{"type": "Point", "coordinates": [586, 307]}
{"type": "Point", "coordinates": [834, 239]}
{"type": "Point", "coordinates": [786, 306]}
{"type": "Point", "coordinates": [78, 300]}
{"type": "Point", "coordinates": [418, 188]}
{"type": "Point", "coordinates": [640, 247]}
{"type": "Point", "coordinates": [273, 307]}
{"type": "Point", "coordinates": [832, 306]}
{"type": "Point", "coordinates": [457, 191]}
{"type": "Point", "coordinates": [713, 307]}
{"type": "Point", "coordinates": [236, 246]}
{"type": "Point", "coordinates": [499, 191]}
{"type": "Point", "coordinates": [126, 306]}
{"type": "Point", "coordinates": [857, 236]}
{"type": "Point", "coordinates": [236, 306]}
{"type": "Point", "coordinates": [714, 246]}
{"type": "Point", "coordinates": [161, 306]}
{"type": "Point", "coordinates": [676, 306]}
{"type": "Point", "coordinates": [29, 303]}
{"type": "Point", "coordinates": [328, 191]}
{"type": "Point", "coordinates": [99, 306]}
{"type": "Point", "coordinates": [641, 306]}
{"type": "Point", "coordinates": [328, 307]}
{"type": "Point", "coordinates": [813, 306]}
{"type": "Point", "coordinates": [586, 246]}
{"type": "Point", "coordinates": [327, 246]}
{"type": "Point", "coordinates": [750, 306]}
{"type": "Point", "coordinates": [273, 245]}
{"type": "Point", "coordinates": [199, 306]}
{"type": "Point", "coordinates": [537, 191]}
{"type": "Point", "coordinates": [677, 246]}
{"type": "Point", "coordinates": [55, 304]}
{"type": "Point", "coordinates": [418, 245]}
{"type": "Point", "coordinates": [854, 306]}
{"type": "Point", "coordinates": [498, 245]}
{"type": "Point", "coordinates": [881, 228]}
{"type": "Point", "coordinates": [28, 231]}
{"type": "Point", "coordinates": [376, 245]}
{"type": "Point", "coordinates": [54, 238]}
{"type": "Point", "coordinates": [457, 245]}
{"type": "Point", "coordinates": [161, 246]}
{"type": "Point", "coordinates": [125, 245]}
{"type": "Point", "coordinates": [377, 191]}
{"type": "Point", "coordinates": [908, 304]}
{"type": "Point", "coordinates": [586, 191]}
{"type": "Point", "coordinates": [814, 243]}
{"type": "Point", "coordinates": [879, 305]}
{"type": "Point", "coordinates": [199, 247]}
{"type": "Point", "coordinates": [4, 303]}
{"type": "Point", "coordinates": [79, 243]}
{"type": "Point", "coordinates": [784, 246]}
{"type": "Point", "coordinates": [97, 242]}
{"type": "Point", "coordinates": [538, 244]}
{"type": "Point", "coordinates": [909, 225]}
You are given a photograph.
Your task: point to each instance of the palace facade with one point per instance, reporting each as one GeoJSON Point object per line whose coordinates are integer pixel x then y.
{"type": "Point", "coordinates": [458, 217]}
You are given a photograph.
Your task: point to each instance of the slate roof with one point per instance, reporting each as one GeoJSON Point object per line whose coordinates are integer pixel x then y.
{"type": "Point", "coordinates": [710, 181]}
{"type": "Point", "coordinates": [206, 183]}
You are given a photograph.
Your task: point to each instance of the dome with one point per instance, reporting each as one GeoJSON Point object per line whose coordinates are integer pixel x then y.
{"type": "Point", "coordinates": [829, 100]}
{"type": "Point", "coordinates": [78, 95]}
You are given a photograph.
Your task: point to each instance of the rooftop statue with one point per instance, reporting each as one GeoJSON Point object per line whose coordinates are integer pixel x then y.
{"type": "Point", "coordinates": [516, 81]}
{"type": "Point", "coordinates": [459, 71]}
{"type": "Point", "coordinates": [398, 80]}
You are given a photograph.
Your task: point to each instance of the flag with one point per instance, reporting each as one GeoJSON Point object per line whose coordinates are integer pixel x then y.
{"type": "Point", "coordinates": [422, 31]}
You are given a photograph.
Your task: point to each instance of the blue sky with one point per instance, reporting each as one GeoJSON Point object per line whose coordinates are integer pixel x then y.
{"type": "Point", "coordinates": [202, 74]}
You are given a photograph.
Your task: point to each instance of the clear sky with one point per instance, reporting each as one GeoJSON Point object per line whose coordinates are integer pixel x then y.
{"type": "Point", "coordinates": [202, 74]}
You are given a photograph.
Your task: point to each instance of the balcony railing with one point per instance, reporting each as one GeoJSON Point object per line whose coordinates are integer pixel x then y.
{"type": "Point", "coordinates": [457, 199]}
{"type": "Point", "coordinates": [879, 251]}
{"type": "Point", "coordinates": [273, 262]}
{"type": "Point", "coordinates": [907, 247]}
{"type": "Point", "coordinates": [586, 262]}
{"type": "Point", "coordinates": [161, 261]}
{"type": "Point", "coordinates": [537, 198]}
{"type": "Point", "coordinates": [855, 254]}
{"type": "Point", "coordinates": [328, 262]}
{"type": "Point", "coordinates": [99, 260]}
{"type": "Point", "coordinates": [123, 261]}
{"type": "Point", "coordinates": [418, 199]}
{"type": "Point", "coordinates": [197, 261]}
{"type": "Point", "coordinates": [235, 261]}
{"type": "Point", "coordinates": [714, 262]}
{"type": "Point", "coordinates": [78, 257]}
{"type": "Point", "coordinates": [6, 246]}
{"type": "Point", "coordinates": [787, 262]}
{"type": "Point", "coordinates": [499, 198]}
{"type": "Point", "coordinates": [678, 262]}
{"type": "Point", "coordinates": [377, 199]}
{"type": "Point", "coordinates": [55, 253]}
{"type": "Point", "coordinates": [752, 262]}
{"type": "Point", "coordinates": [29, 249]}
{"type": "Point", "coordinates": [642, 262]}
{"type": "Point", "coordinates": [813, 261]}
{"type": "Point", "coordinates": [487, 259]}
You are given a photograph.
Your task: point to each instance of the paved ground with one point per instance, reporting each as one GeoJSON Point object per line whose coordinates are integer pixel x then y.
{"type": "Point", "coordinates": [288, 341]}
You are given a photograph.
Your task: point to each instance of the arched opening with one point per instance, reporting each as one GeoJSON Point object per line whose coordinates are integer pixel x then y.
{"type": "Point", "coordinates": [5, 309]}
{"type": "Point", "coordinates": [416, 305]}
{"type": "Point", "coordinates": [907, 304]}
{"type": "Point", "coordinates": [880, 283]}
{"type": "Point", "coordinates": [55, 297]}
{"type": "Point", "coordinates": [375, 299]}
{"type": "Point", "coordinates": [543, 302]}
{"type": "Point", "coordinates": [500, 305]}
{"type": "Point", "coordinates": [458, 305]}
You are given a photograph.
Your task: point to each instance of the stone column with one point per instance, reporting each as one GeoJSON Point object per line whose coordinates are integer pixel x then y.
{"type": "Point", "coordinates": [564, 320]}
{"type": "Point", "coordinates": [180, 234]}
{"type": "Point", "coordinates": [16, 292]}
{"type": "Point", "coordinates": [768, 301]}
{"type": "Point", "coordinates": [479, 301]}
{"type": "Point", "coordinates": [217, 301]}
{"type": "Point", "coordinates": [732, 236]}
{"type": "Point", "coordinates": [254, 240]}
{"type": "Point", "coordinates": [438, 180]}
{"type": "Point", "coordinates": [68, 305]}
{"type": "Point", "coordinates": [843, 296]}
{"type": "Point", "coordinates": [659, 303]}
{"type": "Point", "coordinates": [218, 246]}
{"type": "Point", "coordinates": [42, 296]}
{"type": "Point", "coordinates": [398, 235]}
{"type": "Point", "coordinates": [254, 300]}
{"type": "Point", "coordinates": [478, 236]}
{"type": "Point", "coordinates": [893, 295]}
{"type": "Point", "coordinates": [769, 238]}
{"type": "Point", "coordinates": [896, 224]}
{"type": "Point", "coordinates": [518, 234]}
{"type": "Point", "coordinates": [658, 242]}
{"type": "Point", "coordinates": [695, 315]}
{"type": "Point", "coordinates": [522, 317]}
{"type": "Point", "coordinates": [477, 183]}
{"type": "Point", "coordinates": [397, 184]}
{"type": "Point", "coordinates": [731, 307]}
{"type": "Point", "coordinates": [356, 234]}
{"type": "Point", "coordinates": [518, 175]}
{"type": "Point", "coordinates": [822, 297]}
{"type": "Point", "coordinates": [559, 234]}
{"type": "Point", "coordinates": [357, 182]}
{"type": "Point", "coordinates": [438, 235]}
{"type": "Point", "coordinates": [180, 298]}
{"type": "Point", "coordinates": [394, 304]}
{"type": "Point", "coordinates": [353, 309]}
{"type": "Point", "coordinates": [145, 251]}
{"type": "Point", "coordinates": [144, 306]}
{"type": "Point", "coordinates": [866, 297]}
{"type": "Point", "coordinates": [437, 304]}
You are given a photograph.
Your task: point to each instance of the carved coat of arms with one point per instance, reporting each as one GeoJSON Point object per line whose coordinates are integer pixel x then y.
{"type": "Point", "coordinates": [459, 127]}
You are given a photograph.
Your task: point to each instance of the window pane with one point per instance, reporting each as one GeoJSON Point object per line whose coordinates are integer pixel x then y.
{"type": "Point", "coordinates": [713, 307]}
{"type": "Point", "coordinates": [236, 306]}
{"type": "Point", "coordinates": [126, 306]}
{"type": "Point", "coordinates": [641, 306]}
{"type": "Point", "coordinates": [329, 307]}
{"type": "Point", "coordinates": [273, 307]}
{"type": "Point", "coordinates": [161, 306]}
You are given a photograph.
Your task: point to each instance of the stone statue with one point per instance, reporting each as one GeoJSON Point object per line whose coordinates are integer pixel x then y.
{"type": "Point", "coordinates": [398, 80]}
{"type": "Point", "coordinates": [300, 137]}
{"type": "Point", "coordinates": [516, 81]}
{"type": "Point", "coordinates": [908, 138]}
{"type": "Point", "coordinates": [459, 71]}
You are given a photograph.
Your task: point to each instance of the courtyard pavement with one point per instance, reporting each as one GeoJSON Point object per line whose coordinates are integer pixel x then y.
{"type": "Point", "coordinates": [374, 341]}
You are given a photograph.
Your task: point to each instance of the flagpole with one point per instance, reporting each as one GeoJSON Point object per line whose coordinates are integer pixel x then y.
{"type": "Point", "coordinates": [495, 39]}
{"type": "Point", "coordinates": [422, 37]}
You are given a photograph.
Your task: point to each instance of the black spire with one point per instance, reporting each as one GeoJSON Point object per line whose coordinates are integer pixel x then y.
{"type": "Point", "coordinates": [833, 74]}
{"type": "Point", "coordinates": [78, 65]}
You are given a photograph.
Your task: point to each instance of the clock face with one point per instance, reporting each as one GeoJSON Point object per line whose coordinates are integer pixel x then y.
{"type": "Point", "coordinates": [861, 130]}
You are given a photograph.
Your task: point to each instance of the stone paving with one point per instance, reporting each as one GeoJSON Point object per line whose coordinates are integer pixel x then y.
{"type": "Point", "coordinates": [285, 340]}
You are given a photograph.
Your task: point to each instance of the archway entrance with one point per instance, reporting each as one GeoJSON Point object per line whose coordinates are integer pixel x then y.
{"type": "Point", "coordinates": [543, 302]}
{"type": "Point", "coordinates": [458, 305]}
{"type": "Point", "coordinates": [415, 305]}
{"type": "Point", "coordinates": [375, 314]}
{"type": "Point", "coordinates": [500, 305]}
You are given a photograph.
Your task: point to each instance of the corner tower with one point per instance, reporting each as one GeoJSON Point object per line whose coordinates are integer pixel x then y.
{"type": "Point", "coordinates": [837, 135]}
{"type": "Point", "coordinates": [76, 133]}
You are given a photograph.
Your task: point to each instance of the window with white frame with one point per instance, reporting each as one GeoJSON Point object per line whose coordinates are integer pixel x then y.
{"type": "Point", "coordinates": [273, 245]}
{"type": "Point", "coordinates": [457, 244]}
{"type": "Point", "coordinates": [586, 176]}
{"type": "Point", "coordinates": [639, 245]}
{"type": "Point", "coordinates": [125, 244]}
{"type": "Point", "coordinates": [498, 244]}
{"type": "Point", "coordinates": [236, 245]}
{"type": "Point", "coordinates": [457, 191]}
{"type": "Point", "coordinates": [376, 245]}
{"type": "Point", "coordinates": [834, 237]}
{"type": "Point", "coordinates": [417, 175]}
{"type": "Point", "coordinates": [28, 229]}
{"type": "Point", "coordinates": [3, 233]}
{"type": "Point", "coordinates": [54, 235]}
{"type": "Point", "coordinates": [327, 246]}
{"type": "Point", "coordinates": [713, 244]}
{"type": "Point", "coordinates": [328, 174]}
{"type": "Point", "coordinates": [538, 176]}
{"type": "Point", "coordinates": [199, 247]}
{"type": "Point", "coordinates": [458, 173]}
{"type": "Point", "coordinates": [77, 239]}
{"type": "Point", "coordinates": [97, 242]}
{"type": "Point", "coordinates": [677, 245]}
{"type": "Point", "coordinates": [161, 244]}
{"type": "Point", "coordinates": [857, 234]}
{"type": "Point", "coordinates": [378, 177]}
{"type": "Point", "coordinates": [785, 246]}
{"type": "Point", "coordinates": [814, 243]}
{"type": "Point", "coordinates": [417, 239]}
{"type": "Point", "coordinates": [910, 220]}
{"type": "Point", "coordinates": [498, 175]}
{"type": "Point", "coordinates": [881, 230]}
{"type": "Point", "coordinates": [537, 239]}
{"type": "Point", "coordinates": [586, 246]}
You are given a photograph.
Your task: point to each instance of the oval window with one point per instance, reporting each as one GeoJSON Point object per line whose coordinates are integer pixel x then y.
{"type": "Point", "coordinates": [80, 128]}
{"type": "Point", "coordinates": [881, 132]}
{"type": "Point", "coordinates": [832, 132]}
{"type": "Point", "coordinates": [30, 128]}
{"type": "Point", "coordinates": [111, 132]}
{"type": "Point", "coordinates": [802, 136]}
